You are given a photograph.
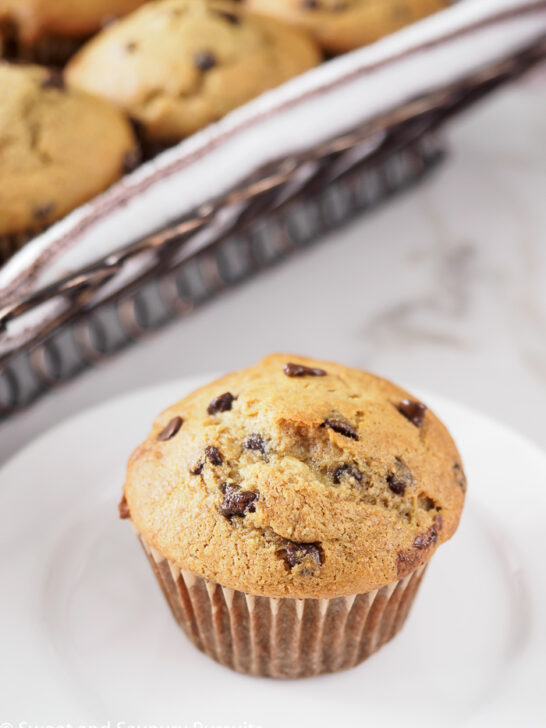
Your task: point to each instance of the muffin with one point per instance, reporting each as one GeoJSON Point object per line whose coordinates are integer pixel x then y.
{"type": "Point", "coordinates": [342, 25]}
{"type": "Point", "coordinates": [58, 148]}
{"type": "Point", "coordinates": [289, 512]}
{"type": "Point", "coordinates": [177, 65]}
{"type": "Point", "coordinates": [49, 31]}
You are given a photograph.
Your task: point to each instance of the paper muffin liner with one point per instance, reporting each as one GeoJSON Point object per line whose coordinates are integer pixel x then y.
{"type": "Point", "coordinates": [283, 637]}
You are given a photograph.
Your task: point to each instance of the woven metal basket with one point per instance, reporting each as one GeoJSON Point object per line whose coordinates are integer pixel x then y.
{"type": "Point", "coordinates": [278, 211]}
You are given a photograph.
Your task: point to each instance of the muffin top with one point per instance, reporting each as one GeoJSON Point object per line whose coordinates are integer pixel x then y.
{"type": "Point", "coordinates": [296, 478]}
{"type": "Point", "coordinates": [177, 65]}
{"type": "Point", "coordinates": [343, 25]}
{"type": "Point", "coordinates": [36, 19]}
{"type": "Point", "coordinates": [58, 148]}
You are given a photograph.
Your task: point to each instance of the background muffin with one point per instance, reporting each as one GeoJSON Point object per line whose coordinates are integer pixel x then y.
{"type": "Point", "coordinates": [177, 65]}
{"type": "Point", "coordinates": [49, 30]}
{"type": "Point", "coordinates": [58, 148]}
{"type": "Point", "coordinates": [342, 25]}
{"type": "Point", "coordinates": [297, 480]}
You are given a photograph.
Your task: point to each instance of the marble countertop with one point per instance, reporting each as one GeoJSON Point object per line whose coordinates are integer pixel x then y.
{"type": "Point", "coordinates": [444, 289]}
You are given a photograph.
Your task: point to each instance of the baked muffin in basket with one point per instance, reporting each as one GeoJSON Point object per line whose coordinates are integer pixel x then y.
{"type": "Point", "coordinates": [58, 148]}
{"type": "Point", "coordinates": [342, 25]}
{"type": "Point", "coordinates": [177, 65]}
{"type": "Point", "coordinates": [49, 31]}
{"type": "Point", "coordinates": [290, 510]}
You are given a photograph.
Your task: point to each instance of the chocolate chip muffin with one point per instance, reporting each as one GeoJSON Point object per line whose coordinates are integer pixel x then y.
{"type": "Point", "coordinates": [177, 65]}
{"type": "Point", "coordinates": [50, 30]}
{"type": "Point", "coordinates": [342, 25]}
{"type": "Point", "coordinates": [289, 511]}
{"type": "Point", "coordinates": [58, 148]}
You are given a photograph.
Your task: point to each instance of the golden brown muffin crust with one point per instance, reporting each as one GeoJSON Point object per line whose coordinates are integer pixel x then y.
{"type": "Point", "coordinates": [58, 148]}
{"type": "Point", "coordinates": [296, 486]}
{"type": "Point", "coordinates": [342, 25]}
{"type": "Point", "coordinates": [177, 65]}
{"type": "Point", "coordinates": [36, 19]}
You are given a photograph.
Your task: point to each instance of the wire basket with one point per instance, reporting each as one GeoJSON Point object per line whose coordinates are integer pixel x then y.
{"type": "Point", "coordinates": [280, 210]}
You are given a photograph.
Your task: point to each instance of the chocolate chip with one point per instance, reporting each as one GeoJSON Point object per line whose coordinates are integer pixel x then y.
{"type": "Point", "coordinates": [460, 478]}
{"type": "Point", "coordinates": [299, 370]}
{"type": "Point", "coordinates": [197, 469]}
{"type": "Point", "coordinates": [204, 60]}
{"type": "Point", "coordinates": [406, 562]}
{"type": "Point", "coordinates": [400, 478]}
{"type": "Point", "coordinates": [230, 17]}
{"type": "Point", "coordinates": [123, 508]}
{"type": "Point", "coordinates": [413, 411]}
{"type": "Point", "coordinates": [130, 162]}
{"type": "Point", "coordinates": [170, 429]}
{"type": "Point", "coordinates": [42, 212]}
{"type": "Point", "coordinates": [342, 427]}
{"type": "Point", "coordinates": [214, 455]}
{"type": "Point", "coordinates": [131, 46]}
{"type": "Point", "coordinates": [310, 4]}
{"type": "Point", "coordinates": [294, 553]}
{"type": "Point", "coordinates": [349, 470]}
{"type": "Point", "coordinates": [222, 403]}
{"type": "Point", "coordinates": [429, 538]}
{"type": "Point", "coordinates": [53, 80]}
{"type": "Point", "coordinates": [424, 540]}
{"type": "Point", "coordinates": [255, 442]}
{"type": "Point", "coordinates": [237, 502]}
{"type": "Point", "coordinates": [396, 487]}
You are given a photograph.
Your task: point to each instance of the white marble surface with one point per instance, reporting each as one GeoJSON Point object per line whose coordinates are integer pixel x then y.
{"type": "Point", "coordinates": [444, 289]}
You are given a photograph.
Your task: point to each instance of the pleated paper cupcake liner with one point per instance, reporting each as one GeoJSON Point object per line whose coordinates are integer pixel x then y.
{"type": "Point", "coordinates": [283, 637]}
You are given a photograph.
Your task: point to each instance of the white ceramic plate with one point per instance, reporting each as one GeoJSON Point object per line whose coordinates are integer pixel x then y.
{"type": "Point", "coordinates": [86, 638]}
